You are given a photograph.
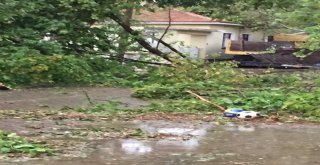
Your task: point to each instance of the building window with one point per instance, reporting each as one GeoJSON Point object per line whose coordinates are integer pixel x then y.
{"type": "Point", "coordinates": [226, 37]}
{"type": "Point", "coordinates": [270, 38]}
{"type": "Point", "coordinates": [245, 37]}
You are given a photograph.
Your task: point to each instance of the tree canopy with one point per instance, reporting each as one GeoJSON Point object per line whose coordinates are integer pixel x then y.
{"type": "Point", "coordinates": [58, 26]}
{"type": "Point", "coordinates": [70, 26]}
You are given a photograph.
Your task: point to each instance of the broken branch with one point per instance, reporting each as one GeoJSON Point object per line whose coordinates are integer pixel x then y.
{"type": "Point", "coordinates": [138, 38]}
{"type": "Point", "coordinates": [160, 40]}
{"type": "Point", "coordinates": [207, 101]}
{"type": "Point", "coordinates": [166, 30]}
{"type": "Point", "coordinates": [138, 61]}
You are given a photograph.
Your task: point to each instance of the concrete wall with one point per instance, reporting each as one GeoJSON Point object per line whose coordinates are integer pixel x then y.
{"type": "Point", "coordinates": [254, 35]}
{"type": "Point", "coordinates": [216, 38]}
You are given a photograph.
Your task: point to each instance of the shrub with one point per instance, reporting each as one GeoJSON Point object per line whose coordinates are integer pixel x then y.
{"type": "Point", "coordinates": [44, 70]}
{"type": "Point", "coordinates": [40, 70]}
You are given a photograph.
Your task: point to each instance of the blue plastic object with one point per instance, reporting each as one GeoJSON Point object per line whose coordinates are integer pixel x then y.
{"type": "Point", "coordinates": [229, 114]}
{"type": "Point", "coordinates": [236, 110]}
{"type": "Point", "coordinates": [233, 112]}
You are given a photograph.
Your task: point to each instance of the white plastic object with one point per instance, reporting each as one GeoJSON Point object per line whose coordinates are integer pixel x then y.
{"type": "Point", "coordinates": [247, 114]}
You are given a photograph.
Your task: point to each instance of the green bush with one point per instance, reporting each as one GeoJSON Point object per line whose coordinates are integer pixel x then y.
{"type": "Point", "coordinates": [40, 70]}
{"type": "Point", "coordinates": [189, 72]}
{"type": "Point", "coordinates": [173, 82]}
{"type": "Point", "coordinates": [44, 70]}
{"type": "Point", "coordinates": [305, 104]}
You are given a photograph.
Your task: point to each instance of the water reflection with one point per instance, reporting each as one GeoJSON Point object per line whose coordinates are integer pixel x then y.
{"type": "Point", "coordinates": [178, 135]}
{"type": "Point", "coordinates": [135, 147]}
{"type": "Point", "coordinates": [245, 145]}
{"type": "Point", "coordinates": [184, 144]}
{"type": "Point", "coordinates": [172, 128]}
{"type": "Point", "coordinates": [175, 131]}
{"type": "Point", "coordinates": [241, 128]}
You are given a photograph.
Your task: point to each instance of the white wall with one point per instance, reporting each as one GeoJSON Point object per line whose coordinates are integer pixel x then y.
{"type": "Point", "coordinates": [215, 39]}
{"type": "Point", "coordinates": [254, 35]}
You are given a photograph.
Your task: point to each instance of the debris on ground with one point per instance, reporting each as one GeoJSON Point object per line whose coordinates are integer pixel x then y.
{"type": "Point", "coordinates": [234, 112]}
{"type": "Point", "coordinates": [4, 87]}
{"type": "Point", "coordinates": [240, 113]}
{"type": "Point", "coordinates": [207, 101]}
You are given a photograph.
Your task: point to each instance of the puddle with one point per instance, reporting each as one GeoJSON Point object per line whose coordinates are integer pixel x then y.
{"type": "Point", "coordinates": [175, 128]}
{"type": "Point", "coordinates": [137, 147]}
{"type": "Point", "coordinates": [203, 144]}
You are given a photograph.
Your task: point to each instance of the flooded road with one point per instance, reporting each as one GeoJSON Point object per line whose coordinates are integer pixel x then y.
{"type": "Point", "coordinates": [203, 144]}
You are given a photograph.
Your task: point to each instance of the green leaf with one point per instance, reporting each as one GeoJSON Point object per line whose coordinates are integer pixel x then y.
{"type": "Point", "coordinates": [5, 150]}
{"type": "Point", "coordinates": [23, 146]}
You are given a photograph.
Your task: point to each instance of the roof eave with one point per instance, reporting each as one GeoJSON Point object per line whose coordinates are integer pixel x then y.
{"type": "Point", "coordinates": [191, 23]}
{"type": "Point", "coordinates": [189, 29]}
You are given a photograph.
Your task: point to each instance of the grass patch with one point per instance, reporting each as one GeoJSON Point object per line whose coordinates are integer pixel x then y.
{"type": "Point", "coordinates": [12, 143]}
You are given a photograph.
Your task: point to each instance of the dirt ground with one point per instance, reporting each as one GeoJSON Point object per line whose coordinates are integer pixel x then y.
{"type": "Point", "coordinates": [57, 98]}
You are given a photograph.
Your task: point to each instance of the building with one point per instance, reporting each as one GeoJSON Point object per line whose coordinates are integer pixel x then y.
{"type": "Point", "coordinates": [191, 33]}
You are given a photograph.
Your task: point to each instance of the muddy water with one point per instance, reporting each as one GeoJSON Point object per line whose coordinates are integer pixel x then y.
{"type": "Point", "coordinates": [204, 144]}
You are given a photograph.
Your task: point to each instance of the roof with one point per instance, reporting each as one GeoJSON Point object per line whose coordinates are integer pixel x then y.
{"type": "Point", "coordinates": [187, 29]}
{"type": "Point", "coordinates": [177, 17]}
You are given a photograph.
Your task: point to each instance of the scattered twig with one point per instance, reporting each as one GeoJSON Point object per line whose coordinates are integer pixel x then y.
{"type": "Point", "coordinates": [207, 101]}
{"type": "Point", "coordinates": [309, 87]}
{"type": "Point", "coordinates": [241, 93]}
{"type": "Point", "coordinates": [88, 97]}
{"type": "Point", "coordinates": [138, 61]}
